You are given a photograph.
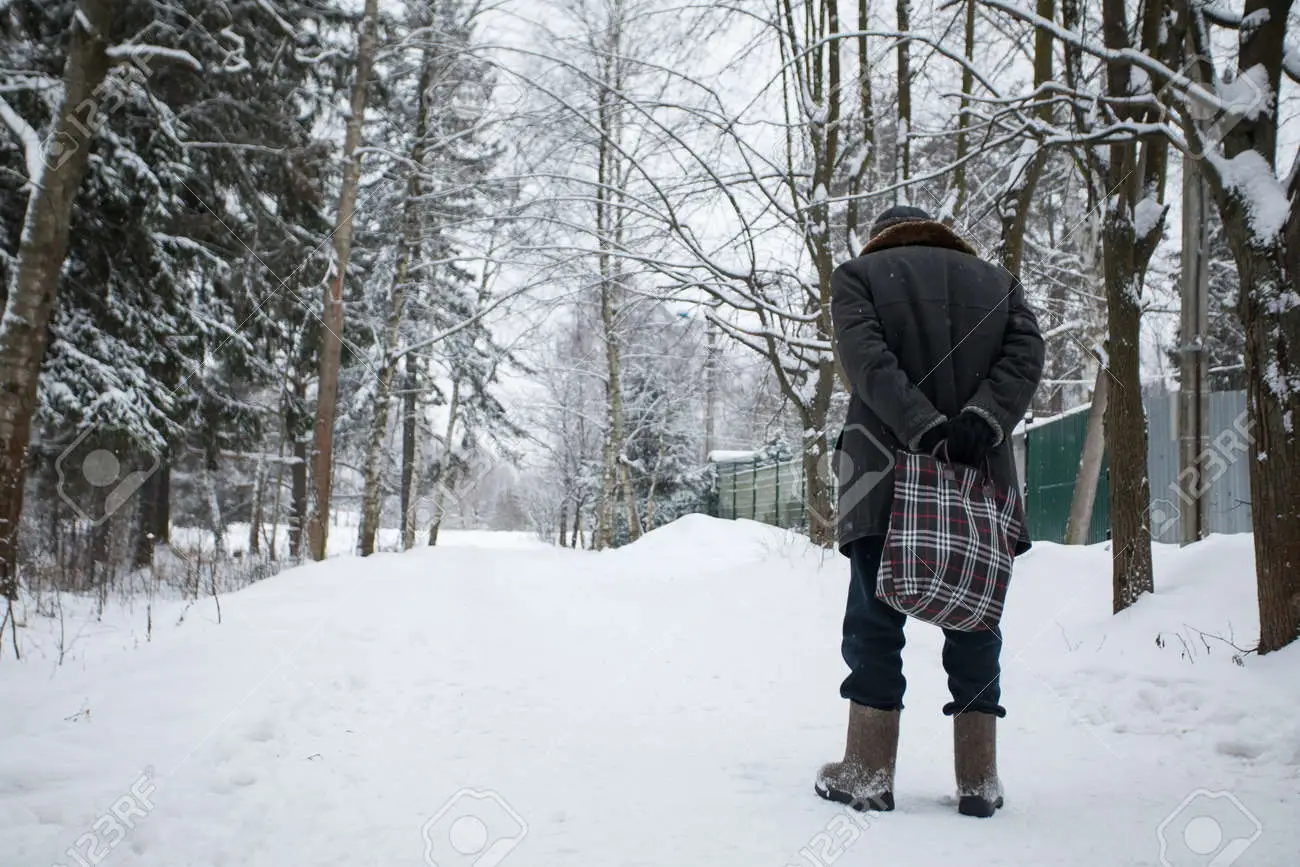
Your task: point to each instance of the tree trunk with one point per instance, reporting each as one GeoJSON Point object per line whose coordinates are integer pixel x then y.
{"type": "Point", "coordinates": [372, 496]}
{"type": "Point", "coordinates": [152, 517]}
{"type": "Point", "coordinates": [255, 510]}
{"type": "Point", "coordinates": [162, 513]}
{"type": "Point", "coordinates": [822, 78]}
{"type": "Point", "coordinates": [331, 342]}
{"type": "Point", "coordinates": [1270, 280]}
{"type": "Point", "coordinates": [904, 133]}
{"type": "Point", "coordinates": [1133, 178]}
{"type": "Point", "coordinates": [447, 478]}
{"type": "Point", "coordinates": [1094, 451]}
{"type": "Point", "coordinates": [629, 497]}
{"type": "Point", "coordinates": [1273, 399]}
{"type": "Point", "coordinates": [860, 181]}
{"type": "Point", "coordinates": [410, 455]}
{"type": "Point", "coordinates": [1125, 421]}
{"type": "Point", "coordinates": [819, 495]}
{"type": "Point", "coordinates": [298, 498]}
{"type": "Point", "coordinates": [610, 299]}
{"type": "Point", "coordinates": [214, 511]}
{"type": "Point", "coordinates": [273, 544]}
{"type": "Point", "coordinates": [101, 560]}
{"type": "Point", "coordinates": [35, 273]}
{"type": "Point", "coordinates": [1269, 269]}
{"type": "Point", "coordinates": [614, 425]}
{"type": "Point", "coordinates": [963, 112]}
{"type": "Point", "coordinates": [1013, 205]}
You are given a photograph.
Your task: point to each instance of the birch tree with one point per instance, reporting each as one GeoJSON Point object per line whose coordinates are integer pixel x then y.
{"type": "Point", "coordinates": [409, 261]}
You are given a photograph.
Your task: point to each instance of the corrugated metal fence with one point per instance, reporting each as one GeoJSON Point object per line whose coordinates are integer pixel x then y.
{"type": "Point", "coordinates": [1227, 451]}
{"type": "Point", "coordinates": [1047, 455]}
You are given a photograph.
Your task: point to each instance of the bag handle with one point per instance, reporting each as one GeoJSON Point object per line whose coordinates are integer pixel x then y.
{"type": "Point", "coordinates": [986, 465]}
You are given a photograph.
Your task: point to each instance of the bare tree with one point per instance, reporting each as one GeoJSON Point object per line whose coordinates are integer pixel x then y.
{"type": "Point", "coordinates": [1132, 179]}
{"type": "Point", "coordinates": [1233, 126]}
{"type": "Point", "coordinates": [609, 48]}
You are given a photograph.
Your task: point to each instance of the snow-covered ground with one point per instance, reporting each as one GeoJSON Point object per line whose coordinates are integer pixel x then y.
{"type": "Point", "coordinates": [667, 703]}
{"type": "Point", "coordinates": [342, 539]}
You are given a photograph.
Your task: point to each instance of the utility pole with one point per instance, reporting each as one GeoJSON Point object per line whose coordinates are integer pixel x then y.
{"type": "Point", "coordinates": [1193, 397]}
{"type": "Point", "coordinates": [710, 383]}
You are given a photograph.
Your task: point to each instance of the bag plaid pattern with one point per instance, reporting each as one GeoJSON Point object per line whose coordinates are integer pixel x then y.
{"type": "Point", "coordinates": [950, 545]}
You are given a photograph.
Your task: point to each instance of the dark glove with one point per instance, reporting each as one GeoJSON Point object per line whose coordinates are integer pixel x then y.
{"type": "Point", "coordinates": [970, 438]}
{"type": "Point", "coordinates": [930, 439]}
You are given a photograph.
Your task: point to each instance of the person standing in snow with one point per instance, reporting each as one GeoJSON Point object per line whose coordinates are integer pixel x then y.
{"type": "Point", "coordinates": [940, 348]}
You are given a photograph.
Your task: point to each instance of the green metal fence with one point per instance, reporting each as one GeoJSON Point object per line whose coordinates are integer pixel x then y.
{"type": "Point", "coordinates": [1052, 451]}
{"type": "Point", "coordinates": [762, 490]}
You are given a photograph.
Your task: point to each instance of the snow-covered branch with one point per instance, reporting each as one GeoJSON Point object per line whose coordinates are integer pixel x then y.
{"type": "Point", "coordinates": [1184, 87]}
{"type": "Point", "coordinates": [33, 147]}
{"type": "Point", "coordinates": [1064, 328]}
{"type": "Point", "coordinates": [139, 52]}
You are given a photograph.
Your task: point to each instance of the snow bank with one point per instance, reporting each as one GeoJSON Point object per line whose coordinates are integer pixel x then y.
{"type": "Point", "coordinates": [666, 703]}
{"type": "Point", "coordinates": [698, 542]}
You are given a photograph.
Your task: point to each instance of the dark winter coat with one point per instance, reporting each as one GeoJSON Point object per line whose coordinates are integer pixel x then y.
{"type": "Point", "coordinates": [925, 329]}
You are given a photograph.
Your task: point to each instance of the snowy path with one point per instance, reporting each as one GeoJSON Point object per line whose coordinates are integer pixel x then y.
{"type": "Point", "coordinates": [664, 704]}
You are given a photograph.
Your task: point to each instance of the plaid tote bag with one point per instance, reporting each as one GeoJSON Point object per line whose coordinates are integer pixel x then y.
{"type": "Point", "coordinates": [950, 545]}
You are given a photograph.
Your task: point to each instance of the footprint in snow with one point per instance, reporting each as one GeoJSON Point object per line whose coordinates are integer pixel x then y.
{"type": "Point", "coordinates": [1239, 749]}
{"type": "Point", "coordinates": [261, 731]}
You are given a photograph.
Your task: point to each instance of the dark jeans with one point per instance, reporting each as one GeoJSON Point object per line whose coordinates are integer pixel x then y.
{"type": "Point", "coordinates": [873, 648]}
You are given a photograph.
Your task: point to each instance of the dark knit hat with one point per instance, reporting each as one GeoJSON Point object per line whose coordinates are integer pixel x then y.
{"type": "Point", "coordinates": [895, 215]}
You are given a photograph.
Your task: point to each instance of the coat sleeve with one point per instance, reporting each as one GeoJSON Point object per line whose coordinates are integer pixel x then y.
{"type": "Point", "coordinates": [1005, 393]}
{"type": "Point", "coordinates": [871, 366]}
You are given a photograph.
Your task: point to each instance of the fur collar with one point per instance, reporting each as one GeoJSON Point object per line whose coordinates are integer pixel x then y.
{"type": "Point", "coordinates": [918, 233]}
